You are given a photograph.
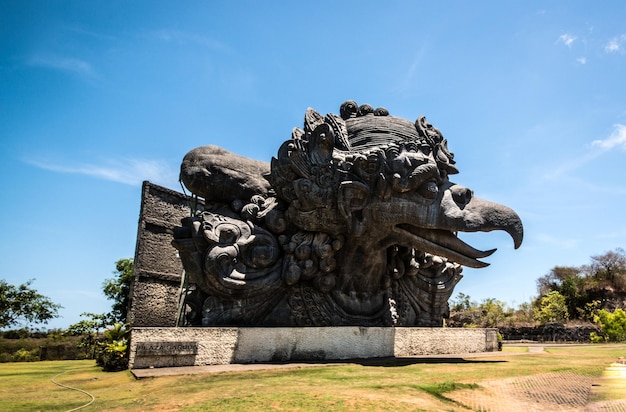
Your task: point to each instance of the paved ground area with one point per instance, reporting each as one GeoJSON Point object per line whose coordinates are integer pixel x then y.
{"type": "Point", "coordinates": [565, 392]}
{"type": "Point", "coordinates": [557, 391]}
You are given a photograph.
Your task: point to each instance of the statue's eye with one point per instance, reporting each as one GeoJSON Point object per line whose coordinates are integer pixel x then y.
{"type": "Point", "coordinates": [425, 150]}
{"type": "Point", "coordinates": [429, 189]}
{"type": "Point", "coordinates": [228, 234]}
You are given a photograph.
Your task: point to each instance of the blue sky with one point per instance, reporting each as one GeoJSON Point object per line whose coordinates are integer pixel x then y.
{"type": "Point", "coordinates": [96, 97]}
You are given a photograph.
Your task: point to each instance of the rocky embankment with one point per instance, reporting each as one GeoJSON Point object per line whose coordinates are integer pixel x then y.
{"type": "Point", "coordinates": [550, 332]}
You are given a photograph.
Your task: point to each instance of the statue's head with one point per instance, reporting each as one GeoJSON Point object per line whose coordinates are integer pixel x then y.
{"type": "Point", "coordinates": [359, 211]}
{"type": "Point", "coordinates": [366, 174]}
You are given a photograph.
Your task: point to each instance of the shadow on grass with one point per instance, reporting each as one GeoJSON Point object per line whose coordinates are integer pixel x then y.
{"type": "Point", "coordinates": [388, 361]}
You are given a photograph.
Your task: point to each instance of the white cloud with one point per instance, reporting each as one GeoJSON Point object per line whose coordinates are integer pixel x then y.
{"type": "Point", "coordinates": [66, 64]}
{"type": "Point", "coordinates": [616, 44]}
{"type": "Point", "coordinates": [127, 171]}
{"type": "Point", "coordinates": [582, 60]}
{"type": "Point", "coordinates": [617, 138]}
{"type": "Point", "coordinates": [567, 39]}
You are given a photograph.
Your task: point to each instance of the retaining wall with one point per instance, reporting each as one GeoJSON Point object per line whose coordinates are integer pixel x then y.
{"type": "Point", "coordinates": [167, 347]}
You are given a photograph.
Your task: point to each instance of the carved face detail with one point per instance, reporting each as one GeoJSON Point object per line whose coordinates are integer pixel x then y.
{"type": "Point", "coordinates": [389, 184]}
{"type": "Point", "coordinates": [237, 254]}
{"type": "Point", "coordinates": [415, 170]}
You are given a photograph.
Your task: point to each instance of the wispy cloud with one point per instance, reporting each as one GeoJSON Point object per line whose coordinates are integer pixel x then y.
{"type": "Point", "coordinates": [127, 171]}
{"type": "Point", "coordinates": [182, 37]}
{"type": "Point", "coordinates": [567, 167]}
{"type": "Point", "coordinates": [567, 39]}
{"type": "Point", "coordinates": [582, 60]}
{"type": "Point", "coordinates": [65, 64]}
{"type": "Point", "coordinates": [78, 29]}
{"type": "Point", "coordinates": [556, 242]}
{"type": "Point", "coordinates": [616, 139]}
{"type": "Point", "coordinates": [407, 80]}
{"type": "Point", "coordinates": [616, 44]}
{"type": "Point", "coordinates": [617, 234]}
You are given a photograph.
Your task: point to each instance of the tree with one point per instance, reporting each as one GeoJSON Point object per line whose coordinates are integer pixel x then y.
{"type": "Point", "coordinates": [89, 330]}
{"type": "Point", "coordinates": [523, 314]}
{"type": "Point", "coordinates": [110, 349]}
{"type": "Point", "coordinates": [22, 303]}
{"type": "Point", "coordinates": [460, 303]}
{"type": "Point", "coordinates": [494, 312]}
{"type": "Point", "coordinates": [552, 308]}
{"type": "Point", "coordinates": [555, 278]}
{"type": "Point", "coordinates": [489, 312]}
{"type": "Point", "coordinates": [609, 267]}
{"type": "Point", "coordinates": [603, 280]}
{"type": "Point", "coordinates": [590, 310]}
{"type": "Point", "coordinates": [118, 290]}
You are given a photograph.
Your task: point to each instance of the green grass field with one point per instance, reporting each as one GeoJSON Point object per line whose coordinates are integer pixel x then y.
{"type": "Point", "coordinates": [404, 384]}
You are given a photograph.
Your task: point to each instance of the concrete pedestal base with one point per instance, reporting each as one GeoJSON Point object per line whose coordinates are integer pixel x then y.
{"type": "Point", "coordinates": [168, 347]}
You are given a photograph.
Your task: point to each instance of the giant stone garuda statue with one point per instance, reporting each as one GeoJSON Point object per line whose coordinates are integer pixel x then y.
{"type": "Point", "coordinates": [353, 223]}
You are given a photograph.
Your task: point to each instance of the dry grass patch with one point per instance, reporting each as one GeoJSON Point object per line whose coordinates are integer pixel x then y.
{"type": "Point", "coordinates": [401, 384]}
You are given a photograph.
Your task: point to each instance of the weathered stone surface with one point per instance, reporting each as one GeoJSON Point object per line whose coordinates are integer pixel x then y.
{"type": "Point", "coordinates": [437, 341]}
{"type": "Point", "coordinates": [215, 346]}
{"type": "Point", "coordinates": [358, 227]}
{"type": "Point", "coordinates": [157, 268]}
{"type": "Point", "coordinates": [221, 346]}
{"type": "Point", "coordinates": [219, 175]}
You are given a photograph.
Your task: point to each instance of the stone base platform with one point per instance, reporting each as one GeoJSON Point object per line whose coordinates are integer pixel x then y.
{"type": "Point", "coordinates": [169, 347]}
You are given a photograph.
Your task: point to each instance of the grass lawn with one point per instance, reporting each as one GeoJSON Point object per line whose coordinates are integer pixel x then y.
{"type": "Point", "coordinates": [404, 384]}
{"type": "Point", "coordinates": [506, 348]}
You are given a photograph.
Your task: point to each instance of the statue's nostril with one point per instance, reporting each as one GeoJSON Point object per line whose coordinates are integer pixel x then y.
{"type": "Point", "coordinates": [461, 195]}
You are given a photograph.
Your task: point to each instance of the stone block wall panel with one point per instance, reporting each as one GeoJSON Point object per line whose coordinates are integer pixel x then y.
{"type": "Point", "coordinates": [191, 346]}
{"type": "Point", "coordinates": [157, 267]}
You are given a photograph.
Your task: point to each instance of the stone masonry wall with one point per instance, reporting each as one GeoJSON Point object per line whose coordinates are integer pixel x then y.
{"type": "Point", "coordinates": [167, 347]}
{"type": "Point", "coordinates": [435, 341]}
{"type": "Point", "coordinates": [157, 268]}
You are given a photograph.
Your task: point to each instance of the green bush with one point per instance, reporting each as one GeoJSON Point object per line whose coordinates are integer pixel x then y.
{"type": "Point", "coordinates": [552, 308]}
{"type": "Point", "coordinates": [24, 355]}
{"type": "Point", "coordinates": [113, 357]}
{"type": "Point", "coordinates": [612, 325]}
{"type": "Point", "coordinates": [112, 352]}
{"type": "Point", "coordinates": [595, 338]}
